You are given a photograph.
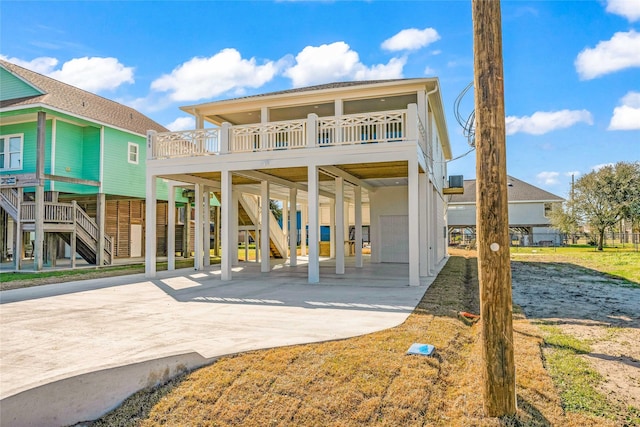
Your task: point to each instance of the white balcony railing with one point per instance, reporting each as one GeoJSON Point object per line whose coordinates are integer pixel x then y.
{"type": "Point", "coordinates": [268, 136]}
{"type": "Point", "coordinates": [197, 142]}
{"type": "Point", "coordinates": [366, 128]}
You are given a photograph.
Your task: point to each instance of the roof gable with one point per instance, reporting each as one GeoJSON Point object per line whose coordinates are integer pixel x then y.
{"type": "Point", "coordinates": [517, 191]}
{"type": "Point", "coordinates": [13, 87]}
{"type": "Point", "coordinates": [73, 101]}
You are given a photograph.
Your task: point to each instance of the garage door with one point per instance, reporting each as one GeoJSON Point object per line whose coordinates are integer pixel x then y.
{"type": "Point", "coordinates": [394, 233]}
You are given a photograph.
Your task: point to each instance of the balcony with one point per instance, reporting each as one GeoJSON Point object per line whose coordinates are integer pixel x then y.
{"type": "Point", "coordinates": [313, 132]}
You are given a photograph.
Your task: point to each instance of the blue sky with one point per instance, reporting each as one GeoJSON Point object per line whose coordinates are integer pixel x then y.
{"type": "Point", "coordinates": [572, 68]}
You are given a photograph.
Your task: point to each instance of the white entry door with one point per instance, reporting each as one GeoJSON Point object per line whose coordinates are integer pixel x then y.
{"type": "Point", "coordinates": [394, 233]}
{"type": "Point", "coordinates": [136, 240]}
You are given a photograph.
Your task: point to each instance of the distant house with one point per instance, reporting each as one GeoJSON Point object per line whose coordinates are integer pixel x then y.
{"type": "Point", "coordinates": [346, 154]}
{"type": "Point", "coordinates": [529, 208]}
{"type": "Point", "coordinates": [72, 169]}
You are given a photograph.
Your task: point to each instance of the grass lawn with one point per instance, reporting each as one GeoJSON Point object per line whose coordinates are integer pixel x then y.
{"type": "Point", "coordinates": [367, 380]}
{"type": "Point", "coordinates": [617, 261]}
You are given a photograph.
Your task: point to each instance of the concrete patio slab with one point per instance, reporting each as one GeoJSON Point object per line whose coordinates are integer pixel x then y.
{"type": "Point", "coordinates": [128, 332]}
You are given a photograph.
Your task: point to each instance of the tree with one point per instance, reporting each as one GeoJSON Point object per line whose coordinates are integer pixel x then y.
{"type": "Point", "coordinates": [603, 197]}
{"type": "Point", "coordinates": [563, 219]}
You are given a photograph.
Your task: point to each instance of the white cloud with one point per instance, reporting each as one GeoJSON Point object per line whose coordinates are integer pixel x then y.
{"type": "Point", "coordinates": [622, 51]}
{"type": "Point", "coordinates": [428, 71]}
{"type": "Point", "coordinates": [181, 123]}
{"type": "Point", "coordinates": [92, 74]}
{"type": "Point", "coordinates": [225, 71]}
{"type": "Point", "coordinates": [630, 9]}
{"type": "Point", "coordinates": [627, 116]}
{"type": "Point", "coordinates": [43, 65]}
{"type": "Point", "coordinates": [548, 178]}
{"type": "Point", "coordinates": [572, 173]}
{"type": "Point", "coordinates": [411, 39]}
{"type": "Point", "coordinates": [542, 122]}
{"type": "Point", "coordinates": [337, 62]}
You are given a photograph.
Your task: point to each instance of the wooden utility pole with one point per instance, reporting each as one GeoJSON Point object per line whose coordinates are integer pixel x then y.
{"type": "Point", "coordinates": [492, 212]}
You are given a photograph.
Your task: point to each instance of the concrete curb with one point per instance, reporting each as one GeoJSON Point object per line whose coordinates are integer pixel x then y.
{"type": "Point", "coordinates": [89, 396]}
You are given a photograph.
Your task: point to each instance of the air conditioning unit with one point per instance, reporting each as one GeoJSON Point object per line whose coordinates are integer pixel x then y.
{"type": "Point", "coordinates": [456, 185]}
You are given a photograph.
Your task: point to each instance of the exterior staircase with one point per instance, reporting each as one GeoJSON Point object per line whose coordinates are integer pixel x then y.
{"type": "Point", "coordinates": [64, 219]}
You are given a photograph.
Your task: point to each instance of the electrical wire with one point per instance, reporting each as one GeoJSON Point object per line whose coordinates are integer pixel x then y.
{"type": "Point", "coordinates": [469, 124]}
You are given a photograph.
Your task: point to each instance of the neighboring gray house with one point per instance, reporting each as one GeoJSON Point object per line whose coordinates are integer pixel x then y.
{"type": "Point", "coordinates": [529, 207]}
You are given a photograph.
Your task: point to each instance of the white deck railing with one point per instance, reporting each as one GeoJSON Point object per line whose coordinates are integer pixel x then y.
{"type": "Point", "coordinates": [386, 126]}
{"type": "Point", "coordinates": [197, 142]}
{"type": "Point", "coordinates": [268, 136]}
{"type": "Point", "coordinates": [314, 131]}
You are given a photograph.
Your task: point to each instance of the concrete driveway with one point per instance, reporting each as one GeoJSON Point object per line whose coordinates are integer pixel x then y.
{"type": "Point", "coordinates": [72, 351]}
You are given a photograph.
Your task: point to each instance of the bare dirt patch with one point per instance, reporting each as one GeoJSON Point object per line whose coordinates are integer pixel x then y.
{"type": "Point", "coordinates": [601, 310]}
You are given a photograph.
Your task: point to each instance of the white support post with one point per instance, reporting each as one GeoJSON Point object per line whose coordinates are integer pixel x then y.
{"type": "Point", "coordinates": [431, 220]}
{"type": "Point", "coordinates": [332, 229]}
{"type": "Point", "coordinates": [18, 248]}
{"type": "Point", "coordinates": [412, 122]}
{"type": "Point", "coordinates": [303, 228]}
{"type": "Point", "coordinates": [235, 195]}
{"type": "Point", "coordinates": [150, 228]}
{"type": "Point", "coordinates": [171, 228]}
{"type": "Point", "coordinates": [197, 244]}
{"type": "Point", "coordinates": [338, 111]}
{"type": "Point", "coordinates": [285, 227]}
{"type": "Point", "coordinates": [293, 227]}
{"type": "Point", "coordinates": [424, 224]}
{"type": "Point", "coordinates": [312, 130]}
{"type": "Point", "coordinates": [216, 239]}
{"type": "Point", "coordinates": [265, 261]}
{"type": "Point", "coordinates": [314, 260]}
{"type": "Point", "coordinates": [414, 225]}
{"type": "Point", "coordinates": [225, 138]}
{"type": "Point", "coordinates": [206, 228]}
{"type": "Point", "coordinates": [339, 225]}
{"type": "Point", "coordinates": [358, 225]}
{"type": "Point", "coordinates": [226, 205]}
{"type": "Point", "coordinates": [38, 249]}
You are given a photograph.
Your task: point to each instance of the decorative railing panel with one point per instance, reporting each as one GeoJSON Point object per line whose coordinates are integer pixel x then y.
{"type": "Point", "coordinates": [268, 136]}
{"type": "Point", "coordinates": [11, 196]}
{"type": "Point", "coordinates": [186, 143]}
{"type": "Point", "coordinates": [386, 126]}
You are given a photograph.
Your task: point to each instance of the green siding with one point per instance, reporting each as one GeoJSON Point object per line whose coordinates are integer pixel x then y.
{"type": "Point", "coordinates": [11, 87]}
{"type": "Point", "coordinates": [121, 177]}
{"type": "Point", "coordinates": [29, 132]}
{"type": "Point", "coordinates": [71, 149]}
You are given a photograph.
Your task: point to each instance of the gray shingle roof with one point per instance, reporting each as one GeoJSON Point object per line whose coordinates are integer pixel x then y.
{"type": "Point", "coordinates": [78, 102]}
{"type": "Point", "coordinates": [517, 191]}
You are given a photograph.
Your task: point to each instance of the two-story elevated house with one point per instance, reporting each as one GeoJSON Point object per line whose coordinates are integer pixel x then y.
{"type": "Point", "coordinates": [72, 169]}
{"type": "Point", "coordinates": [374, 146]}
{"type": "Point", "coordinates": [529, 208]}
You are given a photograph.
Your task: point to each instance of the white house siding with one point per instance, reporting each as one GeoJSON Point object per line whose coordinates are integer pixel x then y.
{"type": "Point", "coordinates": [461, 215]}
{"type": "Point", "coordinates": [527, 213]}
{"type": "Point", "coordinates": [441, 228]}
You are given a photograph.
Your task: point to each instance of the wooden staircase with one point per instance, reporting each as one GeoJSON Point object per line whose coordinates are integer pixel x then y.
{"type": "Point", "coordinates": [63, 219]}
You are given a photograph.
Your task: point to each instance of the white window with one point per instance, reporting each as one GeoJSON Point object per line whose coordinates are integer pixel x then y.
{"type": "Point", "coordinates": [11, 151]}
{"type": "Point", "coordinates": [133, 153]}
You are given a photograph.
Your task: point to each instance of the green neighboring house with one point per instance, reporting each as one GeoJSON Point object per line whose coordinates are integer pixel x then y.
{"type": "Point", "coordinates": [72, 174]}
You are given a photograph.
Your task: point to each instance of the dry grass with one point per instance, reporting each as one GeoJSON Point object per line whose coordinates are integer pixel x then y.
{"type": "Point", "coordinates": [367, 380]}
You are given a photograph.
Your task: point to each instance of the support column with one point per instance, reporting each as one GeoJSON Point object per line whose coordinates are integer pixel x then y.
{"type": "Point", "coordinates": [424, 224]}
{"type": "Point", "coordinates": [339, 225]}
{"type": "Point", "coordinates": [414, 225]}
{"type": "Point", "coordinates": [358, 225]}
{"type": "Point", "coordinates": [171, 228]}
{"type": "Point", "coordinates": [226, 205]}
{"type": "Point", "coordinates": [332, 229]}
{"type": "Point", "coordinates": [314, 260]}
{"type": "Point", "coordinates": [38, 250]}
{"type": "Point", "coordinates": [101, 209]}
{"type": "Point", "coordinates": [17, 249]}
{"type": "Point", "coordinates": [206, 228]}
{"type": "Point", "coordinates": [303, 228]}
{"type": "Point", "coordinates": [74, 236]}
{"type": "Point", "coordinates": [285, 227]}
{"type": "Point", "coordinates": [186, 231]}
{"type": "Point", "coordinates": [197, 244]}
{"type": "Point", "coordinates": [265, 260]}
{"type": "Point", "coordinates": [293, 227]}
{"type": "Point", "coordinates": [150, 231]}
{"type": "Point", "coordinates": [235, 196]}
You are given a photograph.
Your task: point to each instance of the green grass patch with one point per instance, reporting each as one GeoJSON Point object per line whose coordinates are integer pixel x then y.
{"type": "Point", "coordinates": [572, 375]}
